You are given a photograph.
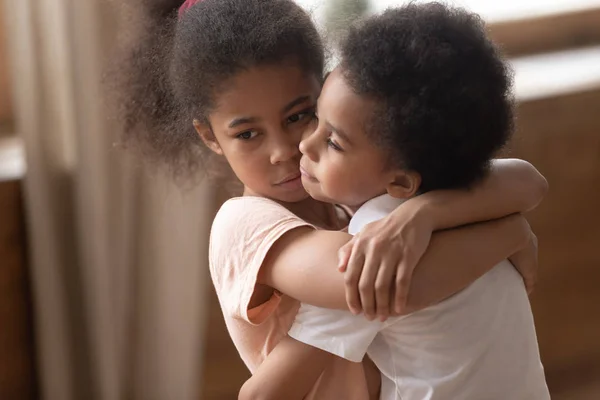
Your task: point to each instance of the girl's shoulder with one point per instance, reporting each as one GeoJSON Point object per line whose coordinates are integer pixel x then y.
{"type": "Point", "coordinates": [242, 202]}
{"type": "Point", "coordinates": [243, 231]}
{"type": "Point", "coordinates": [249, 209]}
{"type": "Point", "coordinates": [245, 222]}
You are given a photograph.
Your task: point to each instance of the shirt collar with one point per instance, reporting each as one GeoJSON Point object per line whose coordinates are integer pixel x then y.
{"type": "Point", "coordinates": [373, 210]}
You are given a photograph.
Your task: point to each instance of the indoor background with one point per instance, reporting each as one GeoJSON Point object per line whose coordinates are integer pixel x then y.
{"type": "Point", "coordinates": [104, 289]}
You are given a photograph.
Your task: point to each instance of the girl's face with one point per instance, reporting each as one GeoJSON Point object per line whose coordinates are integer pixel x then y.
{"type": "Point", "coordinates": [257, 124]}
{"type": "Point", "coordinates": [341, 163]}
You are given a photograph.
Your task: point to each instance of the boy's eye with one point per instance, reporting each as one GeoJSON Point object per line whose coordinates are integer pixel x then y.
{"type": "Point", "coordinates": [334, 145]}
{"type": "Point", "coordinates": [247, 135]}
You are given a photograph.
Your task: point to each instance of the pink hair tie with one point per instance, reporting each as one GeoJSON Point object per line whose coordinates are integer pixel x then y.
{"type": "Point", "coordinates": [185, 6]}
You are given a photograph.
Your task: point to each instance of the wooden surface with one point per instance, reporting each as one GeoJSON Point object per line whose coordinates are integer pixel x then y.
{"type": "Point", "coordinates": [224, 372]}
{"type": "Point", "coordinates": [561, 137]}
{"type": "Point", "coordinates": [549, 33]}
{"type": "Point", "coordinates": [17, 368]}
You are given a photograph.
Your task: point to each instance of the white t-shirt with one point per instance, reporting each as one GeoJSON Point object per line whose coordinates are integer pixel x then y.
{"type": "Point", "coordinates": [479, 344]}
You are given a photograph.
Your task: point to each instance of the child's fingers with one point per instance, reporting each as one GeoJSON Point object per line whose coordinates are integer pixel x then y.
{"type": "Point", "coordinates": [344, 255]}
{"type": "Point", "coordinates": [393, 312]}
{"type": "Point", "coordinates": [530, 287]}
{"type": "Point", "coordinates": [403, 280]}
{"type": "Point", "coordinates": [384, 284]}
{"type": "Point", "coordinates": [530, 279]}
{"type": "Point", "coordinates": [526, 262]}
{"type": "Point", "coordinates": [366, 285]}
{"type": "Point", "coordinates": [351, 278]}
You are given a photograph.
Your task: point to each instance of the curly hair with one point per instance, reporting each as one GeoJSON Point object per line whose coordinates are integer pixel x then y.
{"type": "Point", "coordinates": [443, 91]}
{"type": "Point", "coordinates": [171, 68]}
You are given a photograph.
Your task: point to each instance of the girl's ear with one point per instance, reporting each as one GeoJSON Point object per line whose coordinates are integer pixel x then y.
{"type": "Point", "coordinates": [404, 184]}
{"type": "Point", "coordinates": [206, 134]}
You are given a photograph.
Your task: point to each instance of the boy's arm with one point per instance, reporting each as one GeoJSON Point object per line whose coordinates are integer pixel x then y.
{"type": "Point", "coordinates": [289, 372]}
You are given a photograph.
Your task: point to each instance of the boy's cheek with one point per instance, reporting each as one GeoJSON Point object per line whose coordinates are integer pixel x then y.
{"type": "Point", "coordinates": [343, 189]}
{"type": "Point", "coordinates": [317, 193]}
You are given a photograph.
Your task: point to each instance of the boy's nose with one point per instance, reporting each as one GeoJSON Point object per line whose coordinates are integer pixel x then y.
{"type": "Point", "coordinates": [307, 145]}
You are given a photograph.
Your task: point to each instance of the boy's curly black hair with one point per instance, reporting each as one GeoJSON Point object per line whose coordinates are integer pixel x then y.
{"type": "Point", "coordinates": [444, 90]}
{"type": "Point", "coordinates": [172, 67]}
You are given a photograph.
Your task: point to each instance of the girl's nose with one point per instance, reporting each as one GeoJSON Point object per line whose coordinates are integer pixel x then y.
{"type": "Point", "coordinates": [284, 150]}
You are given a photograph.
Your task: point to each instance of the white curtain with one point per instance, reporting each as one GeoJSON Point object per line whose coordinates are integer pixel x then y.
{"type": "Point", "coordinates": [118, 257]}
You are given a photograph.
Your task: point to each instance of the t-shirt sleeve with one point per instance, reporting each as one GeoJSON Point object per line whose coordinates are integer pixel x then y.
{"type": "Point", "coordinates": [243, 232]}
{"type": "Point", "coordinates": [335, 331]}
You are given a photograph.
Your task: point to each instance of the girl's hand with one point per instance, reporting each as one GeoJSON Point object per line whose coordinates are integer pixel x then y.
{"type": "Point", "coordinates": [379, 261]}
{"type": "Point", "coordinates": [526, 262]}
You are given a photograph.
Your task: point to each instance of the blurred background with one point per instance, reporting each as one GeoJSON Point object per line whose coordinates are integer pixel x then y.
{"type": "Point", "coordinates": [104, 290]}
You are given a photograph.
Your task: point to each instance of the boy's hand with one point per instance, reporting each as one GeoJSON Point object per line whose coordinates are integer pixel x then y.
{"type": "Point", "coordinates": [380, 260]}
{"type": "Point", "coordinates": [526, 262]}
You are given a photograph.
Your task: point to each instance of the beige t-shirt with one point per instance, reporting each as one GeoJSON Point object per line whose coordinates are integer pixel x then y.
{"type": "Point", "coordinates": [243, 231]}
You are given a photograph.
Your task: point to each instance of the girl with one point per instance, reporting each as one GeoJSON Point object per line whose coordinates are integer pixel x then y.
{"type": "Point", "coordinates": [238, 80]}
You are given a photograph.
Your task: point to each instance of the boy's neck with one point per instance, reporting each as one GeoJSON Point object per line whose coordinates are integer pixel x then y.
{"type": "Point", "coordinates": [374, 209]}
{"type": "Point", "coordinates": [355, 208]}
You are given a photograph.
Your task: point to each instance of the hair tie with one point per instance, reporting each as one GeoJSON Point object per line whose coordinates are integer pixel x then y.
{"type": "Point", "coordinates": [186, 5]}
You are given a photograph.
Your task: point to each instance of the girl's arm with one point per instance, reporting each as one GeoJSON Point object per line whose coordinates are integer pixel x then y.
{"type": "Point", "coordinates": [382, 257]}
{"type": "Point", "coordinates": [302, 263]}
{"type": "Point", "coordinates": [292, 368]}
{"type": "Point", "coordinates": [289, 372]}
{"type": "Point", "coordinates": [373, 377]}
{"type": "Point", "coordinates": [511, 186]}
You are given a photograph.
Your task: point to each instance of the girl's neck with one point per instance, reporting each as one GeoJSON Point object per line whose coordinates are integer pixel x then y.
{"type": "Point", "coordinates": [323, 215]}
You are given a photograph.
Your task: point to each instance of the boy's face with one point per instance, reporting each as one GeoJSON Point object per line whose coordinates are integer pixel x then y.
{"type": "Point", "coordinates": [340, 162]}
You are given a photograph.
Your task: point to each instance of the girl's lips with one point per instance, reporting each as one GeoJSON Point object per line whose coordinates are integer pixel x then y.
{"type": "Point", "coordinates": [292, 184]}
{"type": "Point", "coordinates": [289, 178]}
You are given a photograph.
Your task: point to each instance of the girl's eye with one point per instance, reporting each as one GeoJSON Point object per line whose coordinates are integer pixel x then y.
{"type": "Point", "coordinates": [334, 145]}
{"type": "Point", "coordinates": [247, 135]}
{"type": "Point", "coordinates": [300, 116]}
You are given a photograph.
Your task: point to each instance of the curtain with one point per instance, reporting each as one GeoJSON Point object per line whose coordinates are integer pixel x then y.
{"type": "Point", "coordinates": [118, 256]}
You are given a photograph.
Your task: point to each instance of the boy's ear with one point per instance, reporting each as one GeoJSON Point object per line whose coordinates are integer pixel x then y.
{"type": "Point", "coordinates": [404, 184]}
{"type": "Point", "coordinates": [207, 136]}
